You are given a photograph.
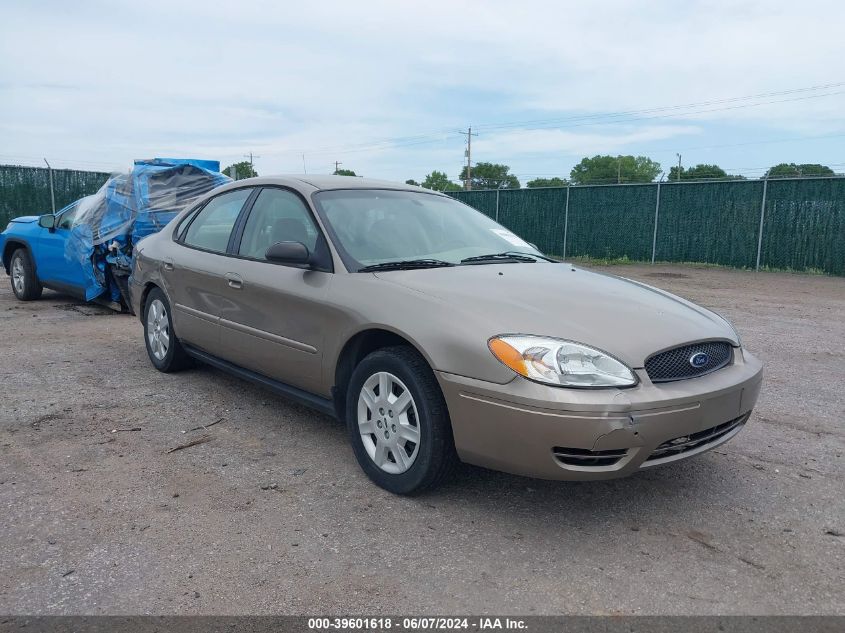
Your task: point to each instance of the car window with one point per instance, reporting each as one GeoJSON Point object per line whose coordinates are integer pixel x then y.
{"type": "Point", "coordinates": [374, 226]}
{"type": "Point", "coordinates": [67, 218]}
{"type": "Point", "coordinates": [212, 226]}
{"type": "Point", "coordinates": [277, 216]}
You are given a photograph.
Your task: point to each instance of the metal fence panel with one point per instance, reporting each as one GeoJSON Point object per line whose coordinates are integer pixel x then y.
{"type": "Point", "coordinates": [804, 225]}
{"type": "Point", "coordinates": [484, 201]}
{"type": "Point", "coordinates": [611, 222]}
{"type": "Point", "coordinates": [535, 214]}
{"type": "Point", "coordinates": [26, 190]}
{"type": "Point", "coordinates": [709, 222]}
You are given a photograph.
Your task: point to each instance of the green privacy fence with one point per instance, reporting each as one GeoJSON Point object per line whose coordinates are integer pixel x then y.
{"type": "Point", "coordinates": [26, 190]}
{"type": "Point", "coordinates": [796, 224]}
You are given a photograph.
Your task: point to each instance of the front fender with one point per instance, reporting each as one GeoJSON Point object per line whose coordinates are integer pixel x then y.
{"type": "Point", "coordinates": [451, 339]}
{"type": "Point", "coordinates": [10, 243]}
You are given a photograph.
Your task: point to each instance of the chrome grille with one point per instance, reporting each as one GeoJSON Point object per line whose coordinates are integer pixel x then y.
{"type": "Point", "coordinates": [676, 364]}
{"type": "Point", "coordinates": [690, 442]}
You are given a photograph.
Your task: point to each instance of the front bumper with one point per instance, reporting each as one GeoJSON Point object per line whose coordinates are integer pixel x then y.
{"type": "Point", "coordinates": [530, 429]}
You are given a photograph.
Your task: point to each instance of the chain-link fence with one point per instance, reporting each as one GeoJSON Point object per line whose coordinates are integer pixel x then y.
{"type": "Point", "coordinates": [795, 224]}
{"type": "Point", "coordinates": [26, 190]}
{"type": "Point", "coordinates": [790, 224]}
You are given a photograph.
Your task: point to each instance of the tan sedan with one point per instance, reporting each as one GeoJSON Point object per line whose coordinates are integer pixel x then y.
{"type": "Point", "coordinates": [436, 334]}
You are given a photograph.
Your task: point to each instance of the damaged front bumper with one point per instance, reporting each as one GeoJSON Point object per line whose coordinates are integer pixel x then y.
{"type": "Point", "coordinates": [551, 433]}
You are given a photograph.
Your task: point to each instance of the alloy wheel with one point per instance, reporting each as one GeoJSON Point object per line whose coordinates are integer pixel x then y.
{"type": "Point", "coordinates": [18, 275]}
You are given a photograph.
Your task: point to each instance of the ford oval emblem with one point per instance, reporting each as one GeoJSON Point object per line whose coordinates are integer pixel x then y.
{"type": "Point", "coordinates": [699, 360]}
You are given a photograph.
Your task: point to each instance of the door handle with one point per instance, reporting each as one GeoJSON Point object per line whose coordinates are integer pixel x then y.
{"type": "Point", "coordinates": [234, 280]}
{"type": "Point", "coordinates": [167, 264]}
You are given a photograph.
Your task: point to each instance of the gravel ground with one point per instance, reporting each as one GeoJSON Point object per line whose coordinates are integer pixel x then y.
{"type": "Point", "coordinates": [273, 515]}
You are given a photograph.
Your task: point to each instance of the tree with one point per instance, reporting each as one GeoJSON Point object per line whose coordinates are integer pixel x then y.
{"type": "Point", "coordinates": [243, 169]}
{"type": "Point", "coordinates": [791, 170]}
{"type": "Point", "coordinates": [611, 169]}
{"type": "Point", "coordinates": [439, 181]}
{"type": "Point", "coordinates": [413, 182]}
{"type": "Point", "coordinates": [546, 182]}
{"type": "Point", "coordinates": [344, 172]}
{"type": "Point", "coordinates": [491, 176]}
{"type": "Point", "coordinates": [701, 172]}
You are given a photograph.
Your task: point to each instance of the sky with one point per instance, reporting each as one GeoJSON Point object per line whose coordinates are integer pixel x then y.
{"type": "Point", "coordinates": [386, 87]}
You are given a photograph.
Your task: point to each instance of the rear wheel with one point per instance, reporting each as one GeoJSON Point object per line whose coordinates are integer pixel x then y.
{"type": "Point", "coordinates": [398, 422]}
{"type": "Point", "coordinates": [25, 283]}
{"type": "Point", "coordinates": [164, 349]}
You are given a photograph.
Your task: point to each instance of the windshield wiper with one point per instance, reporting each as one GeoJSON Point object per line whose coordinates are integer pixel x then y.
{"type": "Point", "coordinates": [507, 256]}
{"type": "Point", "coordinates": [407, 264]}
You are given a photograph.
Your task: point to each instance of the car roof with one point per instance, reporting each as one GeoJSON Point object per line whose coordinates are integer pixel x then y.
{"type": "Point", "coordinates": [320, 182]}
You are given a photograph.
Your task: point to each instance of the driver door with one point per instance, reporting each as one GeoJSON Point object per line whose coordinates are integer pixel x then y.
{"type": "Point", "coordinates": [274, 317]}
{"type": "Point", "coordinates": [55, 267]}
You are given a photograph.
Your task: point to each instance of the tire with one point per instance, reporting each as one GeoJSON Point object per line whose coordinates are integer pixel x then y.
{"type": "Point", "coordinates": [371, 418]}
{"type": "Point", "coordinates": [163, 347]}
{"type": "Point", "coordinates": [25, 282]}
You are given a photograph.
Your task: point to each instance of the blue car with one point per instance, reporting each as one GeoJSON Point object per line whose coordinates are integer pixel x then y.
{"type": "Point", "coordinates": [86, 249]}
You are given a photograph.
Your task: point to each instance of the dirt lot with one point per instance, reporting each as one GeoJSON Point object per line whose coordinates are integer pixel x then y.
{"type": "Point", "coordinates": [273, 515]}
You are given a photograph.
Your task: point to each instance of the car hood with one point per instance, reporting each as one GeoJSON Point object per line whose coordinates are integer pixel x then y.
{"type": "Point", "coordinates": [25, 218]}
{"type": "Point", "coordinates": [628, 319]}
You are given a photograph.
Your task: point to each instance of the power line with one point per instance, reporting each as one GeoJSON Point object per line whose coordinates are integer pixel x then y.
{"type": "Point", "coordinates": [672, 107]}
{"type": "Point", "coordinates": [679, 114]}
{"type": "Point", "coordinates": [594, 119]}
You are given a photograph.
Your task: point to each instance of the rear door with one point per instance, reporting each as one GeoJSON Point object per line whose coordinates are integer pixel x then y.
{"type": "Point", "coordinates": [273, 317]}
{"type": "Point", "coordinates": [196, 275]}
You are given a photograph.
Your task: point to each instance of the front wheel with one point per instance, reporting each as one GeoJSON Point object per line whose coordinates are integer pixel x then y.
{"type": "Point", "coordinates": [25, 282]}
{"type": "Point", "coordinates": [398, 422]}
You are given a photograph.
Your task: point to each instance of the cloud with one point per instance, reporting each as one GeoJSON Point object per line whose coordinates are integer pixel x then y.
{"type": "Point", "coordinates": [103, 83]}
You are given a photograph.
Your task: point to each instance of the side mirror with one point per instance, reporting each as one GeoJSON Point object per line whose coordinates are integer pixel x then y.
{"type": "Point", "coordinates": [47, 221]}
{"type": "Point", "coordinates": [289, 253]}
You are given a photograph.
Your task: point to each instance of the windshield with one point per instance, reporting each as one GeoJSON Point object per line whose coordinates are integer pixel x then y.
{"type": "Point", "coordinates": [375, 226]}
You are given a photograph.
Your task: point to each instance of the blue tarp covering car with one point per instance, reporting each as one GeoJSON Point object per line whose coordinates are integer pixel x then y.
{"type": "Point", "coordinates": [86, 248]}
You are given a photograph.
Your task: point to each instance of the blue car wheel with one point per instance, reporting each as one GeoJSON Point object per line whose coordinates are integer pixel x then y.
{"type": "Point", "coordinates": [25, 283]}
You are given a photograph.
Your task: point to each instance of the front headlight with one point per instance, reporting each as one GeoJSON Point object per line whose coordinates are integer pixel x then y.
{"type": "Point", "coordinates": [561, 363]}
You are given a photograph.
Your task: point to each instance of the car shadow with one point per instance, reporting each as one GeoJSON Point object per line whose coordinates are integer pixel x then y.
{"type": "Point", "coordinates": [685, 489]}
{"type": "Point", "coordinates": [687, 486]}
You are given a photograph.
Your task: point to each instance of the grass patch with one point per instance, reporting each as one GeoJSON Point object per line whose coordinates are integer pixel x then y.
{"type": "Point", "coordinates": [625, 260]}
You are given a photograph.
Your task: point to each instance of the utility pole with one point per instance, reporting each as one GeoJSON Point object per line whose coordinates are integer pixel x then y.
{"type": "Point", "coordinates": [251, 165]}
{"type": "Point", "coordinates": [618, 170]}
{"type": "Point", "coordinates": [679, 167]}
{"type": "Point", "coordinates": [52, 193]}
{"type": "Point", "coordinates": [469, 135]}
{"type": "Point", "coordinates": [337, 165]}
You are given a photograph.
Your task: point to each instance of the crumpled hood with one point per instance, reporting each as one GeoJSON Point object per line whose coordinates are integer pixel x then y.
{"type": "Point", "coordinates": [25, 219]}
{"type": "Point", "coordinates": [629, 320]}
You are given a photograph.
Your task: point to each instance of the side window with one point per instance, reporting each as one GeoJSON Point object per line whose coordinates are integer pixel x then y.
{"type": "Point", "coordinates": [67, 218]}
{"type": "Point", "coordinates": [212, 226]}
{"type": "Point", "coordinates": [277, 216]}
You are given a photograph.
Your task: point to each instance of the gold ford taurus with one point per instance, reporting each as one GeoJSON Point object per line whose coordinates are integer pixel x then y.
{"type": "Point", "coordinates": [436, 334]}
